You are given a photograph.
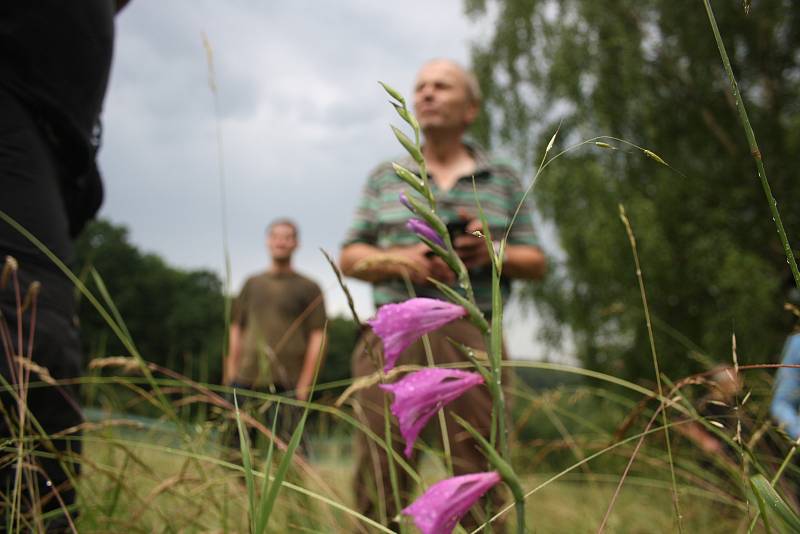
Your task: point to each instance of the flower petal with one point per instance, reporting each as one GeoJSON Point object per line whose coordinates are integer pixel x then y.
{"type": "Point", "coordinates": [419, 395]}
{"type": "Point", "coordinates": [440, 508]}
{"type": "Point", "coordinates": [423, 229]}
{"type": "Point", "coordinates": [400, 325]}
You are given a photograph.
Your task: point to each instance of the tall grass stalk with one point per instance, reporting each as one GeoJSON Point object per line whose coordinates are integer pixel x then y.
{"type": "Point", "coordinates": [212, 85]}
{"type": "Point", "coordinates": [751, 141]}
{"type": "Point", "coordinates": [654, 354]}
{"type": "Point", "coordinates": [20, 362]}
{"type": "Point", "coordinates": [755, 152]}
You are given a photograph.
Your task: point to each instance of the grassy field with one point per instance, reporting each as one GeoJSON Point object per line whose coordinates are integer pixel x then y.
{"type": "Point", "coordinates": [138, 480]}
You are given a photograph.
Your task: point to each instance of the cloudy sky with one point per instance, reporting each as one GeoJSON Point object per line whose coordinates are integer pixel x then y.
{"type": "Point", "coordinates": [303, 122]}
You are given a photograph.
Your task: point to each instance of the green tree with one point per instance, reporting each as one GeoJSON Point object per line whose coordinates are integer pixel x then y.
{"type": "Point", "coordinates": [175, 317]}
{"type": "Point", "coordinates": [342, 336]}
{"type": "Point", "coordinates": [649, 72]}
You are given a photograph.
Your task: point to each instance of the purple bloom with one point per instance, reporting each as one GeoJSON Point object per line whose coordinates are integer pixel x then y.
{"type": "Point", "coordinates": [421, 228]}
{"type": "Point", "coordinates": [418, 396]}
{"type": "Point", "coordinates": [445, 503]}
{"type": "Point", "coordinates": [400, 325]}
{"type": "Point", "coordinates": [404, 201]}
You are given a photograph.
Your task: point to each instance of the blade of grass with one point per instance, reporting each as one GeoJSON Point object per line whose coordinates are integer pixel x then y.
{"type": "Point", "coordinates": [643, 293]}
{"type": "Point", "coordinates": [769, 499]}
{"type": "Point", "coordinates": [762, 508]}
{"type": "Point", "coordinates": [751, 140]}
{"type": "Point", "coordinates": [270, 452]}
{"type": "Point", "coordinates": [103, 290]}
{"type": "Point", "coordinates": [244, 447]}
{"type": "Point", "coordinates": [212, 85]}
{"type": "Point", "coordinates": [268, 500]}
{"type": "Point", "coordinates": [118, 488]}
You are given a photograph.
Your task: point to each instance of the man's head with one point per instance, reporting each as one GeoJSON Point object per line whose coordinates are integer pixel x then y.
{"type": "Point", "coordinates": [282, 240]}
{"type": "Point", "coordinates": [446, 97]}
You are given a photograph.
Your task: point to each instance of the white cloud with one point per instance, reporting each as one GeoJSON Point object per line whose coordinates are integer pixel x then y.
{"type": "Point", "coordinates": [302, 117]}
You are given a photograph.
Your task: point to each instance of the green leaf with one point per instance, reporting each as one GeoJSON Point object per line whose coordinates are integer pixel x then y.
{"type": "Point", "coordinates": [474, 313]}
{"type": "Point", "coordinates": [268, 501]}
{"type": "Point", "coordinates": [769, 500]}
{"type": "Point", "coordinates": [244, 447]}
{"type": "Point", "coordinates": [409, 145]}
{"type": "Point", "coordinates": [503, 467]}
{"type": "Point", "coordinates": [469, 353]}
{"type": "Point", "coordinates": [268, 463]}
{"type": "Point", "coordinates": [410, 178]}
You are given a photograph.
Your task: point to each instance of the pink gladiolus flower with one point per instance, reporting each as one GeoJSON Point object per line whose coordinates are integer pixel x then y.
{"type": "Point", "coordinates": [418, 396]}
{"type": "Point", "coordinates": [423, 229]}
{"type": "Point", "coordinates": [400, 325]}
{"type": "Point", "coordinates": [445, 503]}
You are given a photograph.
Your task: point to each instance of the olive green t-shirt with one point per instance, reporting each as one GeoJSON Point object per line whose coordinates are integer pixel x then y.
{"type": "Point", "coordinates": [276, 314]}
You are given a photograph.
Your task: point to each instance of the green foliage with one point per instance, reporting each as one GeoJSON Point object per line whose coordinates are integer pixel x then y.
{"type": "Point", "coordinates": [175, 317]}
{"type": "Point", "coordinates": [342, 336]}
{"type": "Point", "coordinates": [768, 499]}
{"type": "Point", "coordinates": [649, 72]}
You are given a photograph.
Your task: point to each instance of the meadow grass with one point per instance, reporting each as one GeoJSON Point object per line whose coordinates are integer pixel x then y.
{"type": "Point", "coordinates": [148, 480]}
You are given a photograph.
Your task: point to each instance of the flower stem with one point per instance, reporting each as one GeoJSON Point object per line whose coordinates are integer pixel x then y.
{"type": "Point", "coordinates": [496, 357]}
{"type": "Point", "coordinates": [519, 508]}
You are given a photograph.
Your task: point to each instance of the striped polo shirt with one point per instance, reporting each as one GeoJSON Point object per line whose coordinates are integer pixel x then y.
{"type": "Point", "coordinates": [380, 219]}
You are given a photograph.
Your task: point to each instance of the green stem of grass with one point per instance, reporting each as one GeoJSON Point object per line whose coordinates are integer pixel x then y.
{"type": "Point", "coordinates": [751, 140]}
{"type": "Point", "coordinates": [643, 293]}
{"type": "Point", "coordinates": [212, 85]}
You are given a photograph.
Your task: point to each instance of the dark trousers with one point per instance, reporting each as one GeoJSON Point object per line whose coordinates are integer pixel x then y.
{"type": "Point", "coordinates": [30, 192]}
{"type": "Point", "coordinates": [372, 480]}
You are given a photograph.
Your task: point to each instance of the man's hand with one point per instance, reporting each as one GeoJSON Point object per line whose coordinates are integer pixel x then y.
{"type": "Point", "coordinates": [526, 262]}
{"type": "Point", "coordinates": [301, 392]}
{"type": "Point", "coordinates": [471, 249]}
{"type": "Point", "coordinates": [427, 265]}
{"type": "Point", "coordinates": [374, 264]}
{"type": "Point", "coordinates": [231, 364]}
{"type": "Point", "coordinates": [315, 351]}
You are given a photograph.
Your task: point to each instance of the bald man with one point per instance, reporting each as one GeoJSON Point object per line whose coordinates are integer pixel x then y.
{"type": "Point", "coordinates": [446, 103]}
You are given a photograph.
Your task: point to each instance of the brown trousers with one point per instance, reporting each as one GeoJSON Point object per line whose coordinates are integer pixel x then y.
{"type": "Point", "coordinates": [372, 480]}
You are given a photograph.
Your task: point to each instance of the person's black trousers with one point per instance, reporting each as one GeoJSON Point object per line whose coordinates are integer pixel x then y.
{"type": "Point", "coordinates": [31, 194]}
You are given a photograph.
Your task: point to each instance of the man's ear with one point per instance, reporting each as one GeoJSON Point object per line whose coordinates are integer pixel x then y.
{"type": "Point", "coordinates": [473, 110]}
